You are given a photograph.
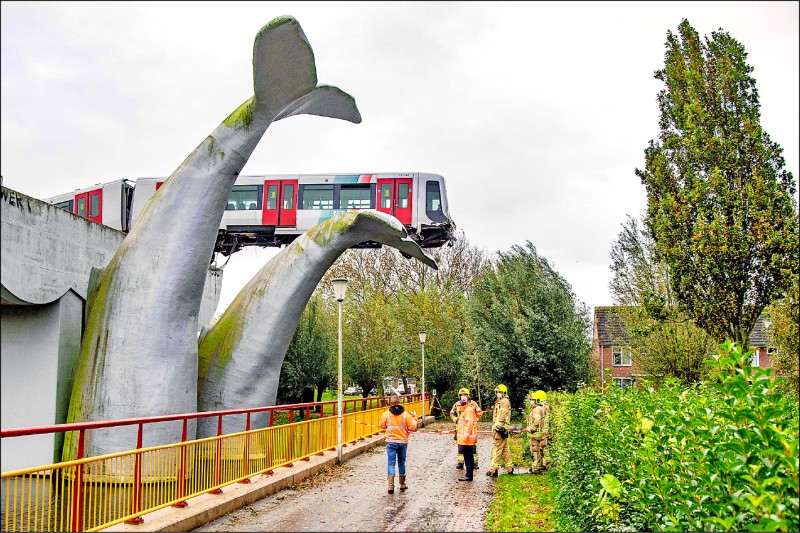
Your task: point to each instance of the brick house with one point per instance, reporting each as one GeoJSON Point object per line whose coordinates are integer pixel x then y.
{"type": "Point", "coordinates": [611, 347]}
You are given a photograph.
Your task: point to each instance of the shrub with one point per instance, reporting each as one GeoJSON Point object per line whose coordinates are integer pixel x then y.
{"type": "Point", "coordinates": [719, 456]}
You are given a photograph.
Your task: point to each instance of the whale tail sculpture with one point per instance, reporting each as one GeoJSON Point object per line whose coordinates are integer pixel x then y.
{"type": "Point", "coordinates": [242, 354]}
{"type": "Point", "coordinates": [139, 349]}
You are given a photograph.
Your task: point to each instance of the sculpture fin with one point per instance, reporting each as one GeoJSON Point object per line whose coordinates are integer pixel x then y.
{"type": "Point", "coordinates": [324, 101]}
{"type": "Point", "coordinates": [283, 65]}
{"type": "Point", "coordinates": [285, 76]}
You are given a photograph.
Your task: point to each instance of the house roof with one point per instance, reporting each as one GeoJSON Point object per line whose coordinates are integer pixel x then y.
{"type": "Point", "coordinates": [611, 329]}
{"type": "Point", "coordinates": [758, 335]}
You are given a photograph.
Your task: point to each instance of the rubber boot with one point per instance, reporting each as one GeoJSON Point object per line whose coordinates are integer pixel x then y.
{"type": "Point", "coordinates": [391, 484]}
{"type": "Point", "coordinates": [467, 476]}
{"type": "Point", "coordinates": [403, 485]}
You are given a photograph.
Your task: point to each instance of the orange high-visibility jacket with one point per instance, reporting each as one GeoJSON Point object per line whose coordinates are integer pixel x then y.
{"type": "Point", "coordinates": [397, 426]}
{"type": "Point", "coordinates": [468, 426]}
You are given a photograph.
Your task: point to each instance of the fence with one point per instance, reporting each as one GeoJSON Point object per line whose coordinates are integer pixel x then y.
{"type": "Point", "coordinates": [92, 493]}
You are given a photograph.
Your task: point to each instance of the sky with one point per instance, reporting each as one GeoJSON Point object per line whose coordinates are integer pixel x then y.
{"type": "Point", "coordinates": [536, 113]}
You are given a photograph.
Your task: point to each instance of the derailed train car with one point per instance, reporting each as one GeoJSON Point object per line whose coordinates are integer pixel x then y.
{"type": "Point", "coordinates": [272, 210]}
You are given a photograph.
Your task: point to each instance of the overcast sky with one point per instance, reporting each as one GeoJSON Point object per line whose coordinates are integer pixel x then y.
{"type": "Point", "coordinates": [536, 113]}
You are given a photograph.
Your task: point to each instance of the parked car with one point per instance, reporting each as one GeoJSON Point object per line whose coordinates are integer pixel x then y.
{"type": "Point", "coordinates": [353, 391]}
{"type": "Point", "coordinates": [373, 392]}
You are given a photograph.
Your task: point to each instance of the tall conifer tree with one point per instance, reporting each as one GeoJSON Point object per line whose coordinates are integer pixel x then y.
{"type": "Point", "coordinates": [721, 206]}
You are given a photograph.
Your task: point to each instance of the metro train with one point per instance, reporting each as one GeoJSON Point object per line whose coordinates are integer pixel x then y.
{"type": "Point", "coordinates": [272, 210]}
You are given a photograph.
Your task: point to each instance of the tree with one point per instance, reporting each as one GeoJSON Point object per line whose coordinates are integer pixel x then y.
{"type": "Point", "coordinates": [784, 333]}
{"type": "Point", "coordinates": [403, 297]}
{"type": "Point", "coordinates": [720, 203]}
{"type": "Point", "coordinates": [664, 341]}
{"type": "Point", "coordinates": [310, 358]}
{"type": "Point", "coordinates": [443, 316]}
{"type": "Point", "coordinates": [527, 321]}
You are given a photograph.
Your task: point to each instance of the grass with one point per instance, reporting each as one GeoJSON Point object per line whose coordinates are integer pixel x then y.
{"type": "Point", "coordinates": [521, 502]}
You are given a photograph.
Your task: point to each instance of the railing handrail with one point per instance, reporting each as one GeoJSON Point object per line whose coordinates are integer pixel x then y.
{"type": "Point", "coordinates": [77, 426]}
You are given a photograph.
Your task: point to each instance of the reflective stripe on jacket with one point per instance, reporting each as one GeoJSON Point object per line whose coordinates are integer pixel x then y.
{"type": "Point", "coordinates": [467, 434]}
{"type": "Point", "coordinates": [457, 409]}
{"type": "Point", "coordinates": [501, 416]}
{"type": "Point", "coordinates": [535, 421]}
{"type": "Point", "coordinates": [397, 426]}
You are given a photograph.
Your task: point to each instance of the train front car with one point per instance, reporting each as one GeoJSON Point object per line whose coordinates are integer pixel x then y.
{"type": "Point", "coordinates": [435, 226]}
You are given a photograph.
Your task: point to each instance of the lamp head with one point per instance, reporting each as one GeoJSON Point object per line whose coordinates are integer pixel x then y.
{"type": "Point", "coordinates": [339, 288]}
{"type": "Point", "coordinates": [422, 336]}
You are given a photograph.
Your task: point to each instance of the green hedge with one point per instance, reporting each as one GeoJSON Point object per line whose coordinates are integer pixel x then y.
{"type": "Point", "coordinates": [719, 456]}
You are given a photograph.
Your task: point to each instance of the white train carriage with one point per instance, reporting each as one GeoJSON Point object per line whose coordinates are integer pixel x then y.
{"type": "Point", "coordinates": [272, 210]}
{"type": "Point", "coordinates": [106, 203]}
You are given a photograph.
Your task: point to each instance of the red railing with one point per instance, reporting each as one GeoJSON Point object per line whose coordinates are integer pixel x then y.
{"type": "Point", "coordinates": [348, 406]}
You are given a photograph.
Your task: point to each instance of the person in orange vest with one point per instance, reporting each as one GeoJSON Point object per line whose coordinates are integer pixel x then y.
{"type": "Point", "coordinates": [467, 435]}
{"type": "Point", "coordinates": [398, 424]}
{"type": "Point", "coordinates": [455, 412]}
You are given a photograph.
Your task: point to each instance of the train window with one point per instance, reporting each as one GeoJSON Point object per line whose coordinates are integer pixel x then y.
{"type": "Point", "coordinates": [94, 205]}
{"type": "Point", "coordinates": [65, 205]}
{"type": "Point", "coordinates": [433, 198]}
{"type": "Point", "coordinates": [81, 207]}
{"type": "Point", "coordinates": [318, 197]}
{"type": "Point", "coordinates": [288, 196]}
{"type": "Point", "coordinates": [272, 197]}
{"type": "Point", "coordinates": [433, 202]}
{"type": "Point", "coordinates": [386, 196]}
{"type": "Point", "coordinates": [355, 197]}
{"type": "Point", "coordinates": [402, 195]}
{"type": "Point", "coordinates": [242, 196]}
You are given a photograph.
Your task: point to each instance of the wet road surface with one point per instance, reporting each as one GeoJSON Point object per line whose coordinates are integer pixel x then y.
{"type": "Point", "coordinates": [353, 496]}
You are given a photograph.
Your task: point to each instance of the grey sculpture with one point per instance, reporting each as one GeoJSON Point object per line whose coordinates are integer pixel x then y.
{"type": "Point", "coordinates": [242, 354]}
{"type": "Point", "coordinates": [139, 350]}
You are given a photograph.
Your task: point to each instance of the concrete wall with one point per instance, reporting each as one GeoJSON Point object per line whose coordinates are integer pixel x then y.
{"type": "Point", "coordinates": [40, 346]}
{"type": "Point", "coordinates": [46, 257]}
{"type": "Point", "coordinates": [46, 251]}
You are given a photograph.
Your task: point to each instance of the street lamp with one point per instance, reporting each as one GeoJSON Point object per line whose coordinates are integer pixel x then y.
{"type": "Point", "coordinates": [339, 288]}
{"type": "Point", "coordinates": [422, 336]}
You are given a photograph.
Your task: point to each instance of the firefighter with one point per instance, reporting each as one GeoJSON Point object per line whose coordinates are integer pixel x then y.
{"type": "Point", "coordinates": [538, 429]}
{"type": "Point", "coordinates": [455, 412]}
{"type": "Point", "coordinates": [501, 419]}
{"type": "Point", "coordinates": [467, 437]}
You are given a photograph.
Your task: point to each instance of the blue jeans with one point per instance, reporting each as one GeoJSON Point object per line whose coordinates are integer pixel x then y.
{"type": "Point", "coordinates": [397, 453]}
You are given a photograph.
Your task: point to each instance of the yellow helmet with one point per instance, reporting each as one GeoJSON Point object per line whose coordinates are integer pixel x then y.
{"type": "Point", "coordinates": [463, 390]}
{"type": "Point", "coordinates": [501, 388]}
{"type": "Point", "coordinates": [539, 395]}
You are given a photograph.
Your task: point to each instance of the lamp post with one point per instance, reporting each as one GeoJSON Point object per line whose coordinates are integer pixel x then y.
{"type": "Point", "coordinates": [339, 288]}
{"type": "Point", "coordinates": [422, 336]}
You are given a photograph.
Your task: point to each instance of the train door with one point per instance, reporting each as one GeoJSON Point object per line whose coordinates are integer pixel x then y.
{"type": "Point", "coordinates": [95, 210]}
{"type": "Point", "coordinates": [80, 203]}
{"type": "Point", "coordinates": [288, 211]}
{"type": "Point", "coordinates": [394, 198]}
{"type": "Point", "coordinates": [280, 203]}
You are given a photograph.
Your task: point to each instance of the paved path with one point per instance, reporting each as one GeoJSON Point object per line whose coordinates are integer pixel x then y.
{"type": "Point", "coordinates": [353, 497]}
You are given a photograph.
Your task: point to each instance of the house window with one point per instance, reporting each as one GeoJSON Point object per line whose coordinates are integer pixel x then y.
{"type": "Point", "coordinates": [754, 358]}
{"type": "Point", "coordinates": [623, 383]}
{"type": "Point", "coordinates": [620, 356]}
{"type": "Point", "coordinates": [773, 350]}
